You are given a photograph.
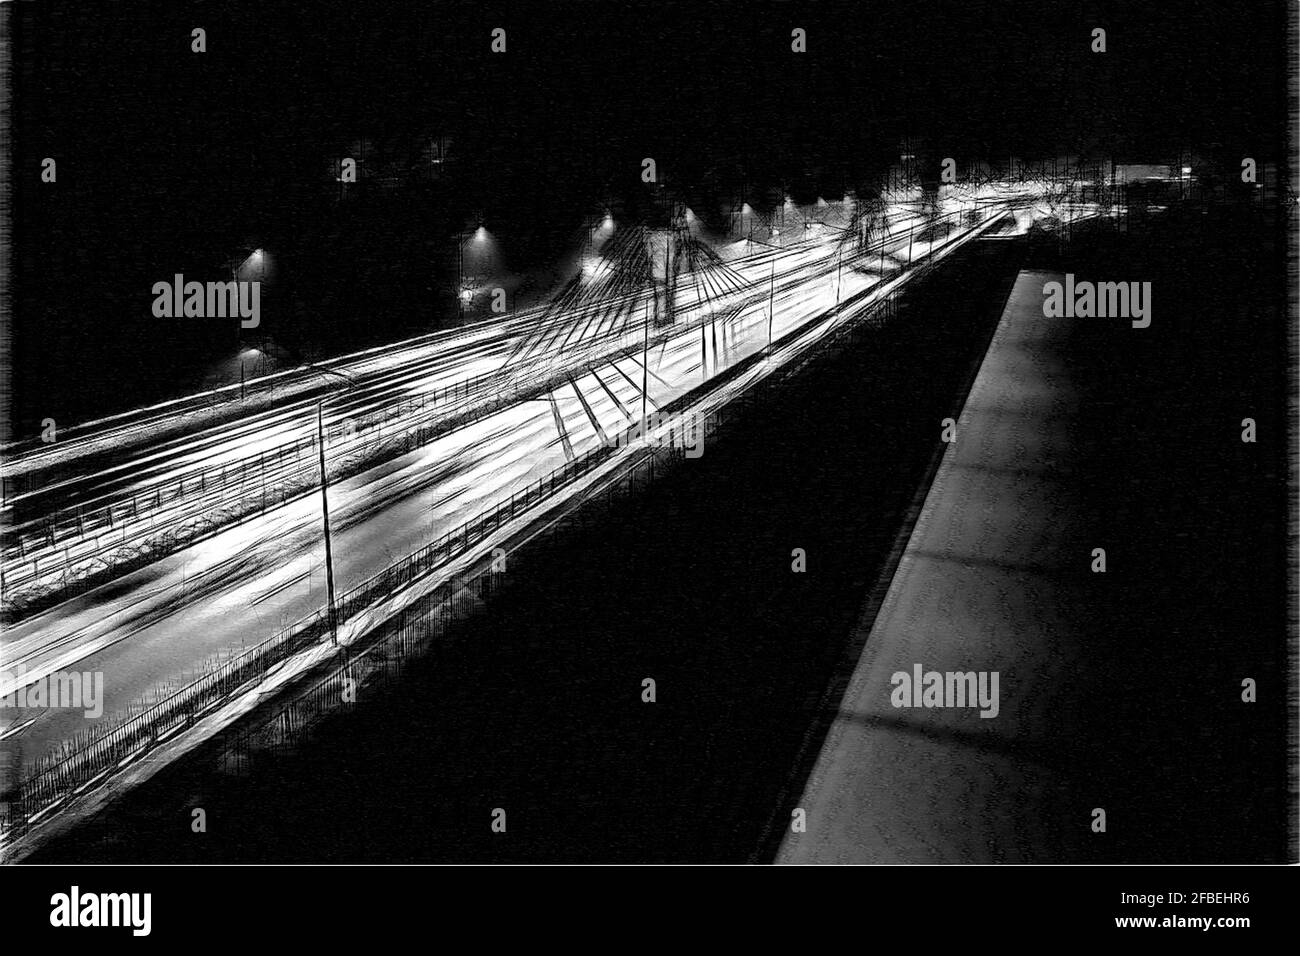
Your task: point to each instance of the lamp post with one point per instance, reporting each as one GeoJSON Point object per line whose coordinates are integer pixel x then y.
{"type": "Point", "coordinates": [324, 502]}
{"type": "Point", "coordinates": [839, 275]}
{"type": "Point", "coordinates": [771, 296]}
{"type": "Point", "coordinates": [460, 274]}
{"type": "Point", "coordinates": [256, 259]}
{"type": "Point", "coordinates": [645, 369]}
{"type": "Point", "coordinates": [463, 294]}
{"type": "Point", "coordinates": [771, 292]}
{"type": "Point", "coordinates": [239, 325]}
{"type": "Point", "coordinates": [325, 515]}
{"type": "Point", "coordinates": [242, 357]}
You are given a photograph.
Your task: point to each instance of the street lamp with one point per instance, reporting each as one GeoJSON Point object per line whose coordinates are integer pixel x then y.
{"type": "Point", "coordinates": [465, 295]}
{"type": "Point", "coordinates": [771, 300]}
{"type": "Point", "coordinates": [745, 220]}
{"type": "Point", "coordinates": [324, 500]}
{"type": "Point", "coordinates": [461, 300]}
{"type": "Point", "coordinates": [255, 259]}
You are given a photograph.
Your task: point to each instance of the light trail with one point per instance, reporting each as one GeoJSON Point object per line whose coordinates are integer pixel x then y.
{"type": "Point", "coordinates": [166, 620]}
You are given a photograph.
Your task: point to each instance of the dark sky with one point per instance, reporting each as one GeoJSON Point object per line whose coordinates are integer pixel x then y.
{"type": "Point", "coordinates": [170, 161]}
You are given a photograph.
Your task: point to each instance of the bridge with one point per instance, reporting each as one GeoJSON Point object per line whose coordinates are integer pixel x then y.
{"type": "Point", "coordinates": [215, 546]}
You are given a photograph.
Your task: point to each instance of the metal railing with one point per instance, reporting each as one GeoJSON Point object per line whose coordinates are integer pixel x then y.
{"type": "Point", "coordinates": [100, 750]}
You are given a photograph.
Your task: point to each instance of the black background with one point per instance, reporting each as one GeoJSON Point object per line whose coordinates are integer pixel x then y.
{"type": "Point", "coordinates": [171, 161]}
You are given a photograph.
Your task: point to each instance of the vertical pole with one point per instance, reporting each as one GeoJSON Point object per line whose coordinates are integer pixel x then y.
{"type": "Point", "coordinates": [771, 294]}
{"type": "Point", "coordinates": [645, 368]}
{"type": "Point", "coordinates": [839, 274]}
{"type": "Point", "coordinates": [325, 514]}
{"type": "Point", "coordinates": [668, 277]}
{"type": "Point", "coordinates": [884, 236]}
{"type": "Point", "coordinates": [704, 354]}
{"type": "Point", "coordinates": [234, 277]}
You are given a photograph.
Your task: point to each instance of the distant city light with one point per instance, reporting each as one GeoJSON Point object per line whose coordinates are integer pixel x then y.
{"type": "Point", "coordinates": [1186, 170]}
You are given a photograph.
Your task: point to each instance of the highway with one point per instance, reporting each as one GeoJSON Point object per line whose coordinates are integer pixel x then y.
{"type": "Point", "coordinates": [176, 490]}
{"type": "Point", "coordinates": [165, 620]}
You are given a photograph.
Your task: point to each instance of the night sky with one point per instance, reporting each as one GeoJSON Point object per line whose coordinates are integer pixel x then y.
{"type": "Point", "coordinates": [171, 161]}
